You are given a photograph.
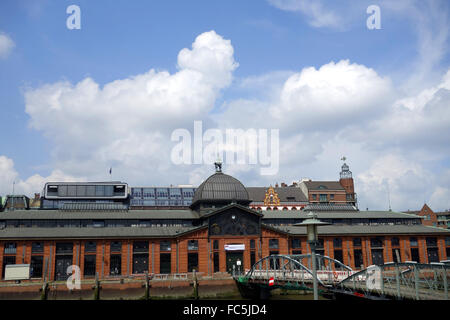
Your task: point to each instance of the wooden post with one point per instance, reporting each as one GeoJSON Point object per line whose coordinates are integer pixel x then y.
{"type": "Point", "coordinates": [97, 288]}
{"type": "Point", "coordinates": [195, 284]}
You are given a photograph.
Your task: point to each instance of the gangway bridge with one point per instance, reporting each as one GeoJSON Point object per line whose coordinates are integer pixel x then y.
{"type": "Point", "coordinates": [404, 281]}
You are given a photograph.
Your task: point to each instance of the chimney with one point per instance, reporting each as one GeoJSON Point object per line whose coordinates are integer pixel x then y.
{"type": "Point", "coordinates": [276, 185]}
{"type": "Point", "coordinates": [283, 184]}
{"type": "Point", "coordinates": [37, 196]}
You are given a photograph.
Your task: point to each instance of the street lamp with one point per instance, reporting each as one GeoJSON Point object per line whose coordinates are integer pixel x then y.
{"type": "Point", "coordinates": [311, 224]}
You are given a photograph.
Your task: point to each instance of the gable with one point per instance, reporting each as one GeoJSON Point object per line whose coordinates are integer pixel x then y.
{"type": "Point", "coordinates": [234, 221]}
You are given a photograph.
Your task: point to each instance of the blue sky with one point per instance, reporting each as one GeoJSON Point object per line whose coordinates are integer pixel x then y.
{"type": "Point", "coordinates": [271, 41]}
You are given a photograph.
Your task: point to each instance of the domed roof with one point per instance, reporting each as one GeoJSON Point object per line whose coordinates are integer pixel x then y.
{"type": "Point", "coordinates": [221, 186]}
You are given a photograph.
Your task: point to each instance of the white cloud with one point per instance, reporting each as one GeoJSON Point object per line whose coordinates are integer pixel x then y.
{"type": "Point", "coordinates": [340, 108]}
{"type": "Point", "coordinates": [318, 15]}
{"type": "Point", "coordinates": [33, 184]}
{"type": "Point", "coordinates": [127, 123]}
{"type": "Point", "coordinates": [6, 45]}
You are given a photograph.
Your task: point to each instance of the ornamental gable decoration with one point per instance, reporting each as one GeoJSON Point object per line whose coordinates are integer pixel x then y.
{"type": "Point", "coordinates": [271, 197]}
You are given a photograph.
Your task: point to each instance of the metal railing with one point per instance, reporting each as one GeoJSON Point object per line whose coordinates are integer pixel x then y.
{"type": "Point", "coordinates": [405, 280]}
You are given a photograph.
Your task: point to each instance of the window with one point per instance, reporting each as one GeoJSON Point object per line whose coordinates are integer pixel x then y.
{"type": "Point", "coordinates": [98, 223]}
{"type": "Point", "coordinates": [37, 247]}
{"type": "Point", "coordinates": [415, 254]}
{"type": "Point", "coordinates": [164, 246]}
{"type": "Point", "coordinates": [64, 247]}
{"type": "Point", "coordinates": [252, 258]}
{"type": "Point", "coordinates": [252, 244]}
{"type": "Point", "coordinates": [396, 255]}
{"type": "Point", "coordinates": [89, 265]}
{"type": "Point", "coordinates": [140, 246]}
{"type": "Point", "coordinates": [357, 242]}
{"type": "Point", "coordinates": [90, 246]}
{"type": "Point", "coordinates": [116, 246]}
{"type": "Point", "coordinates": [337, 243]}
{"type": "Point", "coordinates": [115, 265]}
{"type": "Point", "coordinates": [376, 242]}
{"type": "Point", "coordinates": [332, 196]}
{"type": "Point", "coordinates": [10, 248]}
{"type": "Point", "coordinates": [193, 245]}
{"type": "Point", "coordinates": [36, 266]}
{"type": "Point", "coordinates": [323, 198]}
{"type": "Point", "coordinates": [431, 242]}
{"type": "Point", "coordinates": [358, 257]}
{"type": "Point", "coordinates": [164, 261]}
{"type": "Point", "coordinates": [338, 256]}
{"type": "Point", "coordinates": [320, 243]}
{"type": "Point", "coordinates": [314, 197]}
{"type": "Point", "coordinates": [413, 242]}
{"type": "Point", "coordinates": [7, 260]}
{"type": "Point", "coordinates": [296, 243]}
{"type": "Point", "coordinates": [273, 243]}
{"type": "Point", "coordinates": [447, 241]}
{"type": "Point", "coordinates": [192, 261]}
{"type": "Point", "coordinates": [216, 244]}
{"type": "Point", "coordinates": [395, 242]}
{"type": "Point", "coordinates": [216, 261]}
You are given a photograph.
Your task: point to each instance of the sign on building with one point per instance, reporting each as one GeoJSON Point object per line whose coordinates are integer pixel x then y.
{"type": "Point", "coordinates": [17, 272]}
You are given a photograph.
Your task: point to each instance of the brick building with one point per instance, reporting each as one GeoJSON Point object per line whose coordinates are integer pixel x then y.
{"type": "Point", "coordinates": [214, 234]}
{"type": "Point", "coordinates": [431, 218]}
{"type": "Point", "coordinates": [333, 192]}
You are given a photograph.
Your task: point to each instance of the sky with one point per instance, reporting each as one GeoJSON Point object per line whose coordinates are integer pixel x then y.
{"type": "Point", "coordinates": [76, 102]}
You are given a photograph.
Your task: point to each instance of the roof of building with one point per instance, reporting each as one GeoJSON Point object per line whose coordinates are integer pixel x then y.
{"type": "Point", "coordinates": [111, 232]}
{"type": "Point", "coordinates": [302, 214]}
{"type": "Point", "coordinates": [443, 213]}
{"type": "Point", "coordinates": [285, 194]}
{"type": "Point", "coordinates": [220, 186]}
{"type": "Point", "coordinates": [91, 206]}
{"type": "Point", "coordinates": [364, 230]}
{"type": "Point", "coordinates": [131, 214]}
{"type": "Point", "coordinates": [330, 207]}
{"type": "Point", "coordinates": [323, 185]}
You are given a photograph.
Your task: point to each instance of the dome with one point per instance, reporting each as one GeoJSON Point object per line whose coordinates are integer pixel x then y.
{"type": "Point", "coordinates": [221, 187]}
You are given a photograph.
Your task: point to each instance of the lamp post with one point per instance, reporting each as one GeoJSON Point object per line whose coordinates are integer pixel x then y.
{"type": "Point", "coordinates": [311, 224]}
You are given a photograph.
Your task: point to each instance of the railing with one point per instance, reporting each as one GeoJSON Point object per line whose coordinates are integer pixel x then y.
{"type": "Point", "coordinates": [400, 281]}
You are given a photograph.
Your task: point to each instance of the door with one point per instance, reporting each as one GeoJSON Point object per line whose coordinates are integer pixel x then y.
{"type": "Point", "coordinates": [377, 256]}
{"type": "Point", "coordinates": [235, 258]}
{"type": "Point", "coordinates": [115, 268]}
{"type": "Point", "coordinates": [433, 255]}
{"type": "Point", "coordinates": [61, 265]}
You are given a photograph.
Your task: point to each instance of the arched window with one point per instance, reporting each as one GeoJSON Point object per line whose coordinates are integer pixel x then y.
{"type": "Point", "coordinates": [269, 208]}
{"type": "Point", "coordinates": [293, 208]}
{"type": "Point", "coordinates": [285, 208]}
{"type": "Point", "coordinates": [275, 208]}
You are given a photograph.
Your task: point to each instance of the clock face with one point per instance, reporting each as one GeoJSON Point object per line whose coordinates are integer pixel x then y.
{"type": "Point", "coordinates": [215, 229]}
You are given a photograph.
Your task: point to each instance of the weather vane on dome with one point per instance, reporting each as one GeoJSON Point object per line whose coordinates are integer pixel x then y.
{"type": "Point", "coordinates": [218, 164]}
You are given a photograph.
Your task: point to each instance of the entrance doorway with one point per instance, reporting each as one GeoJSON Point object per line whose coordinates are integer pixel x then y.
{"type": "Point", "coordinates": [236, 259]}
{"type": "Point", "coordinates": [62, 262]}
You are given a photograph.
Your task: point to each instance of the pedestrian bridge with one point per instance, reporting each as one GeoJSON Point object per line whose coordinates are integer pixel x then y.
{"type": "Point", "coordinates": [406, 280]}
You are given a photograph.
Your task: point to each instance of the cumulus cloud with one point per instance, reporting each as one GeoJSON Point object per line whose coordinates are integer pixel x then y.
{"type": "Point", "coordinates": [6, 45]}
{"type": "Point", "coordinates": [33, 184]}
{"type": "Point", "coordinates": [339, 108]}
{"type": "Point", "coordinates": [127, 123]}
{"type": "Point", "coordinates": [395, 177]}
